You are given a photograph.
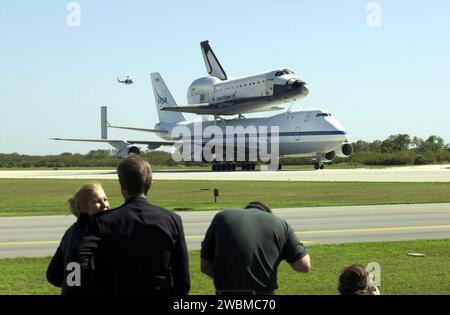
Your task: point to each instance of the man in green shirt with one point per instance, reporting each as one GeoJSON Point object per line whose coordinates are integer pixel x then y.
{"type": "Point", "coordinates": [243, 248]}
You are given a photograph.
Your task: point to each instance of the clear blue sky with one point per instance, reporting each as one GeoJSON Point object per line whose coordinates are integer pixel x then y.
{"type": "Point", "coordinates": [377, 81]}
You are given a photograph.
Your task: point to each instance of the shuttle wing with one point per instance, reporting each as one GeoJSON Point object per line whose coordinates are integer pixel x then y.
{"type": "Point", "coordinates": [226, 108]}
{"type": "Point", "coordinates": [201, 110]}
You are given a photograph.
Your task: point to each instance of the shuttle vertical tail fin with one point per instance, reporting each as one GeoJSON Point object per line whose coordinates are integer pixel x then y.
{"type": "Point", "coordinates": [163, 98]}
{"type": "Point", "coordinates": [212, 64]}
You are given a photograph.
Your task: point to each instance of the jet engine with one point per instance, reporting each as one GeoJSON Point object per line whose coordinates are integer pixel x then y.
{"type": "Point", "coordinates": [344, 150]}
{"type": "Point", "coordinates": [328, 157]}
{"type": "Point", "coordinates": [153, 146]}
{"type": "Point", "coordinates": [127, 150]}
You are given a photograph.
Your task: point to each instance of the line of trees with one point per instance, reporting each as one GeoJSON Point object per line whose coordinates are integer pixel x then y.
{"type": "Point", "coordinates": [95, 158]}
{"type": "Point", "coordinates": [398, 149]}
{"type": "Point", "coordinates": [401, 149]}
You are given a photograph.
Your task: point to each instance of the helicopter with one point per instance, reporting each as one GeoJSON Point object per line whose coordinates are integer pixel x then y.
{"type": "Point", "coordinates": [125, 81]}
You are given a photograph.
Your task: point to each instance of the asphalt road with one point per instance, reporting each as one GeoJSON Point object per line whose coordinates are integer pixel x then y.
{"type": "Point", "coordinates": [426, 173]}
{"type": "Point", "coordinates": [39, 236]}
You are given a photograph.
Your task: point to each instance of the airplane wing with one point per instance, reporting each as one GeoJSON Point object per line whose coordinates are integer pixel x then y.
{"type": "Point", "coordinates": [139, 129]}
{"type": "Point", "coordinates": [118, 144]}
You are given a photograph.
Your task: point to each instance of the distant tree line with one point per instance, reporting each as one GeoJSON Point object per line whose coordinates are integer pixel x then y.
{"type": "Point", "coordinates": [95, 158]}
{"type": "Point", "coordinates": [401, 149]}
{"type": "Point", "coordinates": [398, 149]}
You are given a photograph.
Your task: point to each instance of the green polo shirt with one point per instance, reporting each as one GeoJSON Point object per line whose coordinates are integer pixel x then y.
{"type": "Point", "coordinates": [247, 245]}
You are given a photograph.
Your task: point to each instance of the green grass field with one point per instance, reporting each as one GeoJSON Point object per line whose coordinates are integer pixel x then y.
{"type": "Point", "coordinates": [400, 273]}
{"type": "Point", "coordinates": [22, 197]}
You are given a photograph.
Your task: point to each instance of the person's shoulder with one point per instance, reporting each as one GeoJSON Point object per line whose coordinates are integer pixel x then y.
{"type": "Point", "coordinates": [107, 215]}
{"type": "Point", "coordinates": [69, 231]}
{"type": "Point", "coordinates": [230, 211]}
{"type": "Point", "coordinates": [283, 226]}
{"type": "Point", "coordinates": [163, 211]}
{"type": "Point", "coordinates": [228, 214]}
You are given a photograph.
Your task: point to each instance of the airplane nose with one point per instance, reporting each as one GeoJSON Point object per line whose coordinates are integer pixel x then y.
{"type": "Point", "coordinates": [301, 86]}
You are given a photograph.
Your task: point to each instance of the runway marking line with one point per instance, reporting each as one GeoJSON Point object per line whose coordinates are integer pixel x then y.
{"type": "Point", "coordinates": [297, 232]}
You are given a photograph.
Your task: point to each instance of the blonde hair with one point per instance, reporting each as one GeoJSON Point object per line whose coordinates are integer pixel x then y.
{"type": "Point", "coordinates": [82, 197]}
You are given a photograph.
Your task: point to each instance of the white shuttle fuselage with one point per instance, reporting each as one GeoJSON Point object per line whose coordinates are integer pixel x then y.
{"type": "Point", "coordinates": [257, 93]}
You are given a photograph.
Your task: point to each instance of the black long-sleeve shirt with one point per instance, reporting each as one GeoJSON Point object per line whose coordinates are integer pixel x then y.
{"type": "Point", "coordinates": [66, 253]}
{"type": "Point", "coordinates": [138, 248]}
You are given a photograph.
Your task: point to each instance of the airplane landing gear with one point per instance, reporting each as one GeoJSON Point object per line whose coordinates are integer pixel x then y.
{"type": "Point", "coordinates": [319, 166]}
{"type": "Point", "coordinates": [248, 166]}
{"type": "Point", "coordinates": [231, 167]}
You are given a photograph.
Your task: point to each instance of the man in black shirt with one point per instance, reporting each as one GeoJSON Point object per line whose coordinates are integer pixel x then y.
{"type": "Point", "coordinates": [137, 248]}
{"type": "Point", "coordinates": [243, 248]}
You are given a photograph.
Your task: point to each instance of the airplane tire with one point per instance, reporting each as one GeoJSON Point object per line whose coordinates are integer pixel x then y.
{"type": "Point", "coordinates": [322, 167]}
{"type": "Point", "coordinates": [316, 166]}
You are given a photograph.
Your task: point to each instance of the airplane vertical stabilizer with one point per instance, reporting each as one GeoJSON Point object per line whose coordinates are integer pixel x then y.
{"type": "Point", "coordinates": [212, 64]}
{"type": "Point", "coordinates": [163, 98]}
{"type": "Point", "coordinates": [104, 122]}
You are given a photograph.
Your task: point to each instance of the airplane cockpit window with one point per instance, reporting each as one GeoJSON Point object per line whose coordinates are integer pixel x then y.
{"type": "Point", "coordinates": [323, 115]}
{"type": "Point", "coordinates": [283, 72]}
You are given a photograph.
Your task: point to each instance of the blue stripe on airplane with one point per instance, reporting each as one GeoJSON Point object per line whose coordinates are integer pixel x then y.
{"type": "Point", "coordinates": [305, 133]}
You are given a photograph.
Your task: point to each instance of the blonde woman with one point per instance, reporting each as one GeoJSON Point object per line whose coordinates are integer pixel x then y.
{"type": "Point", "coordinates": [89, 200]}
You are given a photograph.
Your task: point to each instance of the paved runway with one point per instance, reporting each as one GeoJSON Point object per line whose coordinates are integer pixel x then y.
{"type": "Point", "coordinates": [39, 236]}
{"type": "Point", "coordinates": [427, 173]}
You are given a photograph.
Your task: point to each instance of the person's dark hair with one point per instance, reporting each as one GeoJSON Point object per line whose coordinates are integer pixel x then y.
{"type": "Point", "coordinates": [353, 280]}
{"type": "Point", "coordinates": [135, 175]}
{"type": "Point", "coordinates": [259, 205]}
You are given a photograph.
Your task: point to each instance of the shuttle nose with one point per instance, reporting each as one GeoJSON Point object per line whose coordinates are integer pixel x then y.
{"type": "Point", "coordinates": [301, 86]}
{"type": "Point", "coordinates": [304, 89]}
